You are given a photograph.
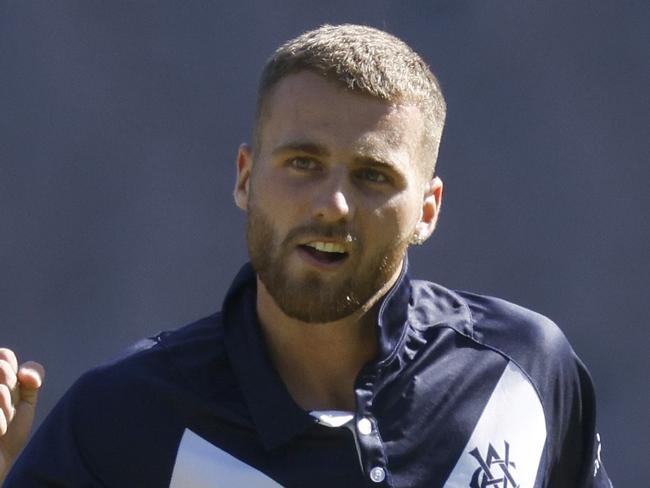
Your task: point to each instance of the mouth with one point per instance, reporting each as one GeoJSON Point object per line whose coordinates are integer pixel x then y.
{"type": "Point", "coordinates": [324, 253]}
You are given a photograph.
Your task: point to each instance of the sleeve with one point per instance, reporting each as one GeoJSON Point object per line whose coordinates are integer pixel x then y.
{"type": "Point", "coordinates": [580, 455]}
{"type": "Point", "coordinates": [593, 473]}
{"type": "Point", "coordinates": [53, 457]}
{"type": "Point", "coordinates": [573, 452]}
{"type": "Point", "coordinates": [119, 425]}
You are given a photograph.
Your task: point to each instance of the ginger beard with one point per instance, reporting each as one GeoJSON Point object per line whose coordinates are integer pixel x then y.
{"type": "Point", "coordinates": [313, 297]}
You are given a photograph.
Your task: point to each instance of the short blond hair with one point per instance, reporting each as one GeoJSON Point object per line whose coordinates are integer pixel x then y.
{"type": "Point", "coordinates": [364, 60]}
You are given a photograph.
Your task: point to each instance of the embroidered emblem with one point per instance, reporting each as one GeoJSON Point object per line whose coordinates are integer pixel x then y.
{"type": "Point", "coordinates": [494, 471]}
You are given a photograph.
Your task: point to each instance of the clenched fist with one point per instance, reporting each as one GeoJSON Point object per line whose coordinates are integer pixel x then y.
{"type": "Point", "coordinates": [18, 391]}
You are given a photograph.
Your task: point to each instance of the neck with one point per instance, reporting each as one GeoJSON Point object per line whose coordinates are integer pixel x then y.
{"type": "Point", "coordinates": [319, 362]}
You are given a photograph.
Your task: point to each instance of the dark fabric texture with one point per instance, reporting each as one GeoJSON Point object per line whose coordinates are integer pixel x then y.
{"type": "Point", "coordinates": [441, 355]}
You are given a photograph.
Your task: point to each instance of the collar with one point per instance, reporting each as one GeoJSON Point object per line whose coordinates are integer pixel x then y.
{"type": "Point", "coordinates": [392, 316]}
{"type": "Point", "coordinates": [276, 416]}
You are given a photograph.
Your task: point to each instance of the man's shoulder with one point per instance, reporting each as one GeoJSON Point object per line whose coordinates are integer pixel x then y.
{"type": "Point", "coordinates": [171, 356]}
{"type": "Point", "coordinates": [533, 375]}
{"type": "Point", "coordinates": [202, 333]}
{"type": "Point", "coordinates": [154, 390]}
{"type": "Point", "coordinates": [490, 319]}
{"type": "Point", "coordinates": [531, 340]}
{"type": "Point", "coordinates": [512, 328]}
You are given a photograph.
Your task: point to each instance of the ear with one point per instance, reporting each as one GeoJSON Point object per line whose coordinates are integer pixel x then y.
{"type": "Point", "coordinates": [242, 185]}
{"type": "Point", "coordinates": [431, 201]}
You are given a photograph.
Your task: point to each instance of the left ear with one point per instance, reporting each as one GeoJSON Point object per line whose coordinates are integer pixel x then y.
{"type": "Point", "coordinates": [431, 201]}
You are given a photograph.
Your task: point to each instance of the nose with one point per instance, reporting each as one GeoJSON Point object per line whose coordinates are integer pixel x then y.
{"type": "Point", "coordinates": [332, 200]}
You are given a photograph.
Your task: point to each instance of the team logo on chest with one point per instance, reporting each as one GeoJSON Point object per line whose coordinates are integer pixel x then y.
{"type": "Point", "coordinates": [494, 470]}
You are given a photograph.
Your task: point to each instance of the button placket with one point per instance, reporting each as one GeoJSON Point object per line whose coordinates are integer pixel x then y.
{"type": "Point", "coordinates": [371, 450]}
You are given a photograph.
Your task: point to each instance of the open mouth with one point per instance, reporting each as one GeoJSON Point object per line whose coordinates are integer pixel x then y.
{"type": "Point", "coordinates": [325, 252]}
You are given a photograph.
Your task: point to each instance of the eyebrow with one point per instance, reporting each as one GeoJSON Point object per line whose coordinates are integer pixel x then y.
{"type": "Point", "coordinates": [374, 162]}
{"type": "Point", "coordinates": [314, 149]}
{"type": "Point", "coordinates": [303, 147]}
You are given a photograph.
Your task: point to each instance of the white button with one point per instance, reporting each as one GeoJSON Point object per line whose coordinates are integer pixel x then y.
{"type": "Point", "coordinates": [377, 474]}
{"type": "Point", "coordinates": [365, 426]}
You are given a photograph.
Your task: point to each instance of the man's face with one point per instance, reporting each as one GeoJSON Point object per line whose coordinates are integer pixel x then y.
{"type": "Point", "coordinates": [334, 194]}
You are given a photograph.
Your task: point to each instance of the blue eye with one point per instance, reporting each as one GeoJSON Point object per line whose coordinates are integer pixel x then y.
{"type": "Point", "coordinates": [373, 175]}
{"type": "Point", "coordinates": [303, 164]}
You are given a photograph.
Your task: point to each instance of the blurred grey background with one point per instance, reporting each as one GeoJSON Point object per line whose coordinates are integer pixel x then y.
{"type": "Point", "coordinates": [119, 124]}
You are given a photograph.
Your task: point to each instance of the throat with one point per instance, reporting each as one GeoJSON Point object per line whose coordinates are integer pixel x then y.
{"type": "Point", "coordinates": [317, 362]}
{"type": "Point", "coordinates": [316, 396]}
{"type": "Point", "coordinates": [319, 372]}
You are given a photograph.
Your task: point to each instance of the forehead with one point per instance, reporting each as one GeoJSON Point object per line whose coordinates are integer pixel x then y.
{"type": "Point", "coordinates": [306, 106]}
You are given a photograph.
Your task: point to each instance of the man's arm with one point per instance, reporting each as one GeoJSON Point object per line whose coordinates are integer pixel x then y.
{"type": "Point", "coordinates": [19, 388]}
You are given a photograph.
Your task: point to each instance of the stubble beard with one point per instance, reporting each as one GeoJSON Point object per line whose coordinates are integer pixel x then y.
{"type": "Point", "coordinates": [311, 298]}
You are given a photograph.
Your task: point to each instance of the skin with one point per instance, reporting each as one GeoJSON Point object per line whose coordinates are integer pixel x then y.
{"type": "Point", "coordinates": [331, 158]}
{"type": "Point", "coordinates": [19, 388]}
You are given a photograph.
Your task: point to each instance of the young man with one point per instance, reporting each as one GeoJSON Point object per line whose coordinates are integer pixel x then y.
{"type": "Point", "coordinates": [327, 365]}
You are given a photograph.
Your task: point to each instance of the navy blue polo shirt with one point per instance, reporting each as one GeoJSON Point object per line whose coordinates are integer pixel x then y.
{"type": "Point", "coordinates": [466, 391]}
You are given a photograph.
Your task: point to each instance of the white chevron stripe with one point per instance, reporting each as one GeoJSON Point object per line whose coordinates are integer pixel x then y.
{"type": "Point", "coordinates": [512, 415]}
{"type": "Point", "coordinates": [200, 464]}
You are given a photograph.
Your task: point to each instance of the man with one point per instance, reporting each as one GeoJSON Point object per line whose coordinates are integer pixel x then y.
{"type": "Point", "coordinates": [327, 365]}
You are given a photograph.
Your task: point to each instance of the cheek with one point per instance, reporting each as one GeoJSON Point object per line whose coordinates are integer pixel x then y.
{"type": "Point", "coordinates": [274, 187]}
{"type": "Point", "coordinates": [396, 220]}
{"type": "Point", "coordinates": [266, 193]}
{"type": "Point", "coordinates": [282, 205]}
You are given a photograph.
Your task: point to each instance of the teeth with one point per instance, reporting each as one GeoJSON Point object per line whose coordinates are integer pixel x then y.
{"type": "Point", "coordinates": [327, 246]}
